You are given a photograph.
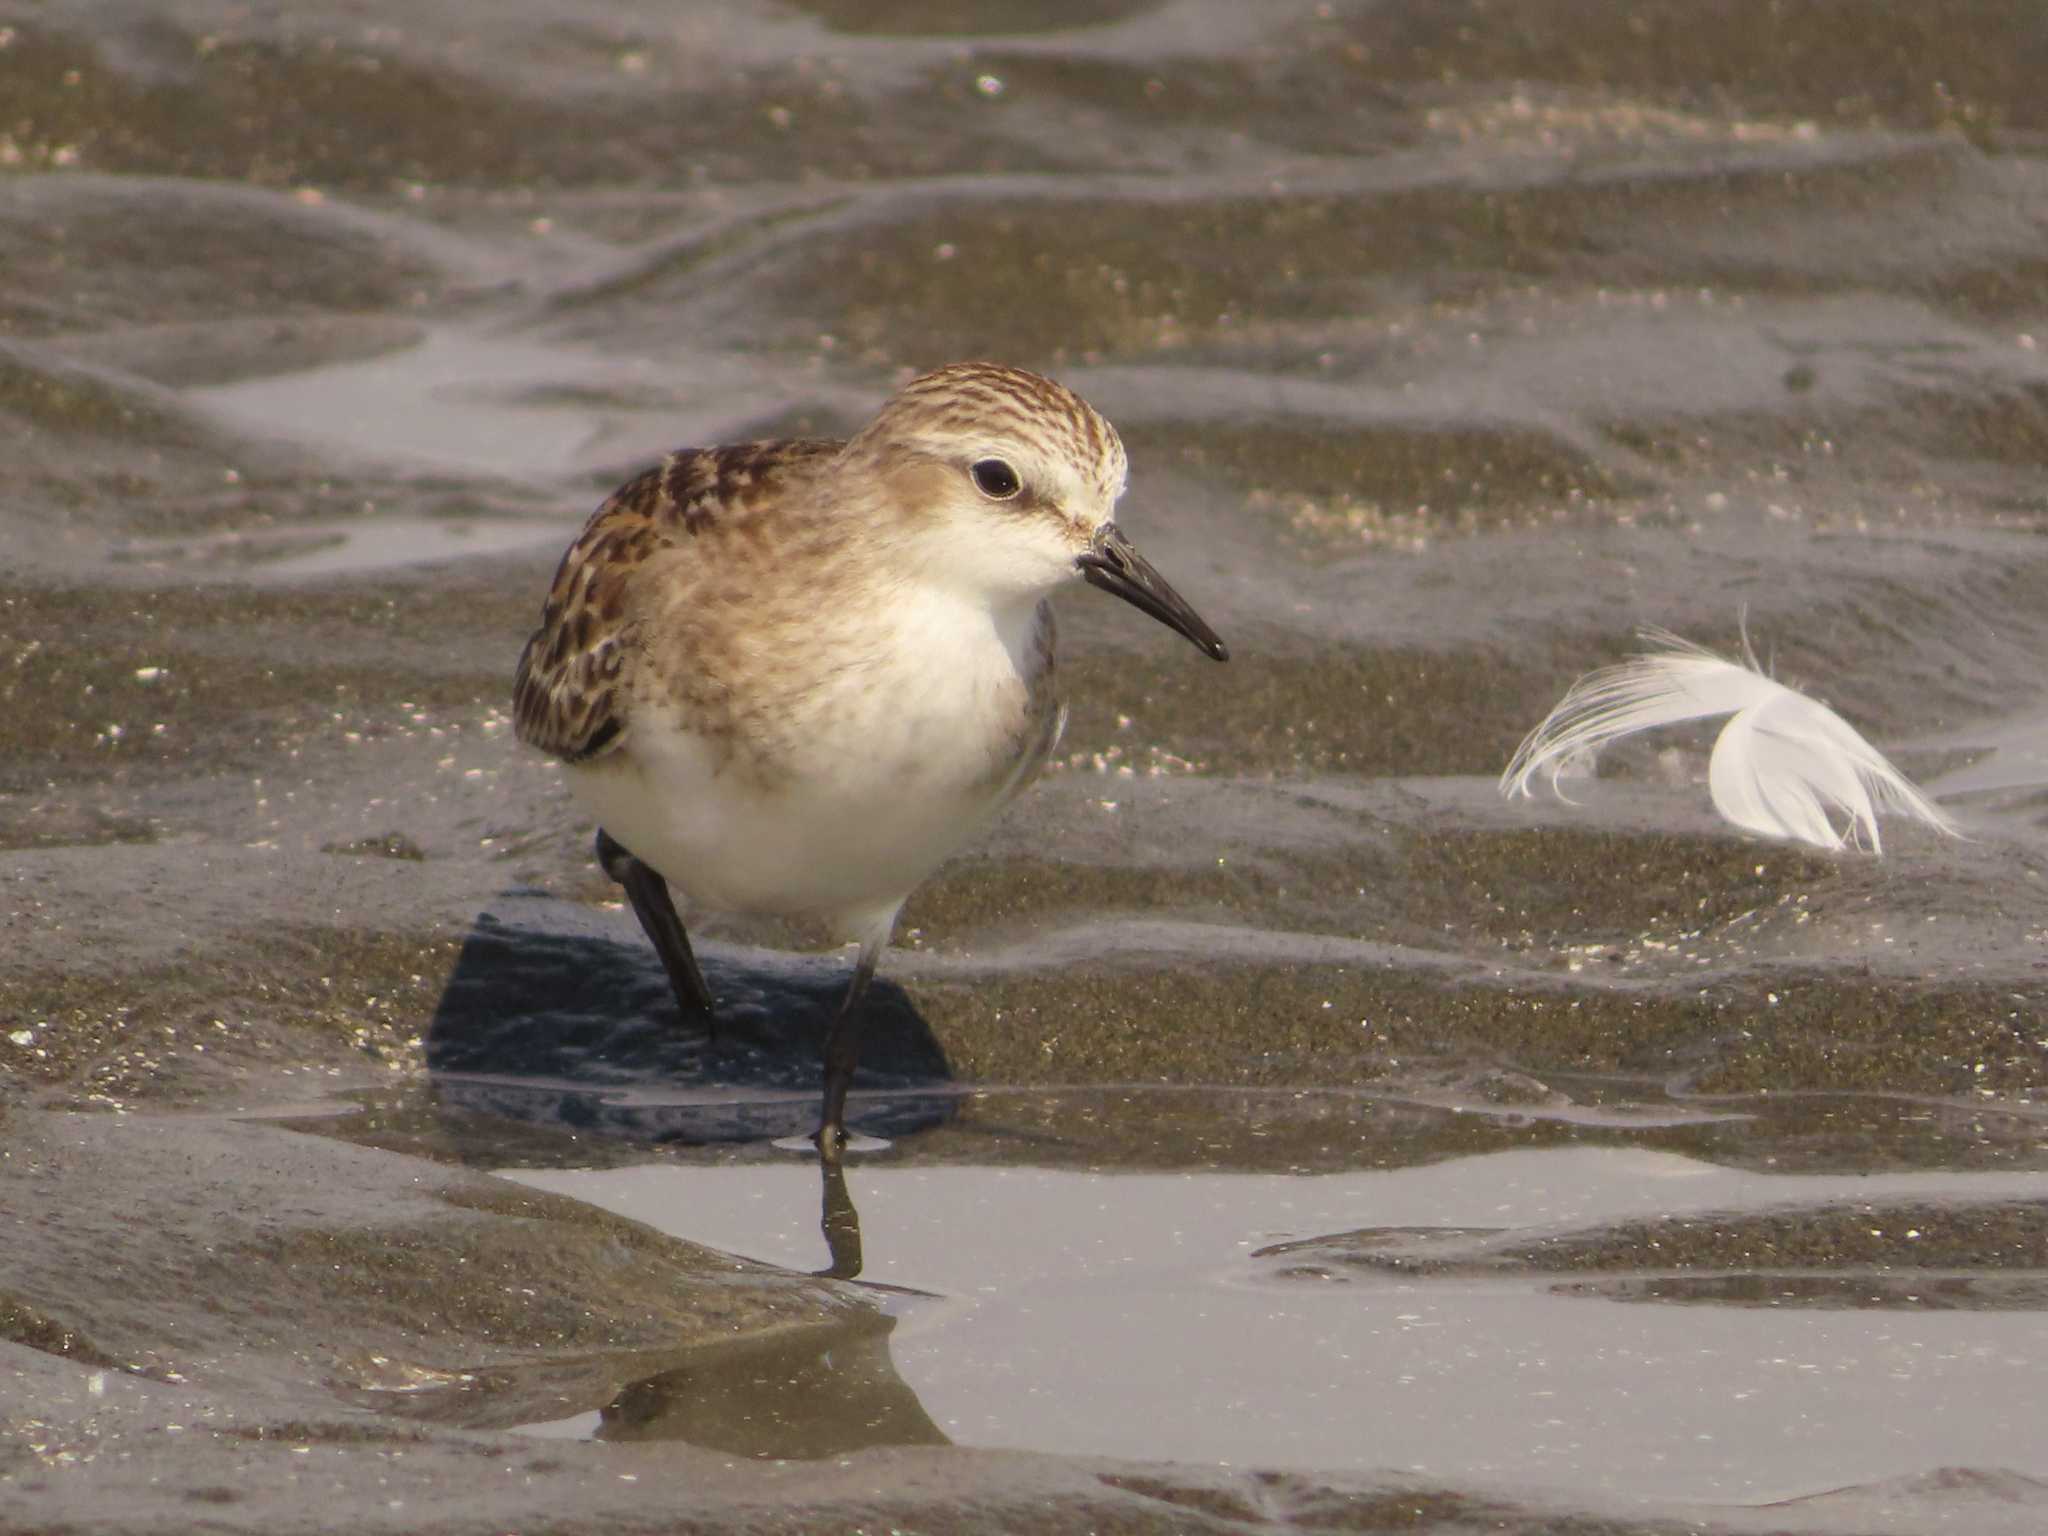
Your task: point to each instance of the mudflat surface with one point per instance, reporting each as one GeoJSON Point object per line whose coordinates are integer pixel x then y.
{"type": "Point", "coordinates": [351, 1168]}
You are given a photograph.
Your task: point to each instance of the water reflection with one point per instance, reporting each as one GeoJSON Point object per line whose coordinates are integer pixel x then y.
{"type": "Point", "coordinates": [790, 1396]}
{"type": "Point", "coordinates": [794, 1394]}
{"type": "Point", "coordinates": [841, 1225]}
{"type": "Point", "coordinates": [1170, 1316]}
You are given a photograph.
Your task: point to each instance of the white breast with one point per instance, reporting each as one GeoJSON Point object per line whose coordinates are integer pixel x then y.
{"type": "Point", "coordinates": [900, 755]}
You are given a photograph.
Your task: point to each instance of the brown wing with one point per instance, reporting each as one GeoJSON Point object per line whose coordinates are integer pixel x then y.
{"type": "Point", "coordinates": [567, 697]}
{"type": "Point", "coordinates": [570, 695]}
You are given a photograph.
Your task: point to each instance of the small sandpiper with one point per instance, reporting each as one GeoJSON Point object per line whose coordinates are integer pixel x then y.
{"type": "Point", "coordinates": [793, 677]}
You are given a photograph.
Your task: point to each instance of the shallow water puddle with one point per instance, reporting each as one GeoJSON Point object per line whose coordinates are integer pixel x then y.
{"type": "Point", "coordinates": [517, 409]}
{"type": "Point", "coordinates": [428, 404]}
{"type": "Point", "coordinates": [2013, 754]}
{"type": "Point", "coordinates": [356, 547]}
{"type": "Point", "coordinates": [1134, 1315]}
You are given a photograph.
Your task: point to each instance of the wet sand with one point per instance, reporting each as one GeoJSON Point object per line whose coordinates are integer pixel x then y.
{"type": "Point", "coordinates": [1449, 346]}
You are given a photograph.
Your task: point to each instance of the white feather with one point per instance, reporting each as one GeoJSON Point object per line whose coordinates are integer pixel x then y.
{"type": "Point", "coordinates": [1784, 766]}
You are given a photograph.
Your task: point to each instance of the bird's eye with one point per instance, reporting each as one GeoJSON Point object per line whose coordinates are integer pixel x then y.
{"type": "Point", "coordinates": [995, 479]}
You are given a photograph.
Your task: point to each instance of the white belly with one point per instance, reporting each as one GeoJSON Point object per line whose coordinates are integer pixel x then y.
{"type": "Point", "coordinates": [884, 784]}
{"type": "Point", "coordinates": [848, 852]}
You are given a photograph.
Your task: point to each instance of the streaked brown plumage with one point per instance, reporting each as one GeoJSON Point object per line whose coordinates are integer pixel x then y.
{"type": "Point", "coordinates": [660, 550]}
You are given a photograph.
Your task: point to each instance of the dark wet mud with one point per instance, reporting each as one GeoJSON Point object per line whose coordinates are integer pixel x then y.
{"type": "Point", "coordinates": [1647, 1176]}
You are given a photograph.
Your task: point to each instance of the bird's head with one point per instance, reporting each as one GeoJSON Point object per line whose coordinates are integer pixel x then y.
{"type": "Point", "coordinates": [1006, 483]}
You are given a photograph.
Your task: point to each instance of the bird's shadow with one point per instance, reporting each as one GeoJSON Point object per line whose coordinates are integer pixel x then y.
{"type": "Point", "coordinates": [560, 1014]}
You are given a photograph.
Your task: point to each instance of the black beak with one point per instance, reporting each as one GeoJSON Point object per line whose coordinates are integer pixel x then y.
{"type": "Point", "coordinates": [1113, 565]}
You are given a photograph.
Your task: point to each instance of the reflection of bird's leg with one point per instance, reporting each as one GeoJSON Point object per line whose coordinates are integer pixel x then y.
{"type": "Point", "coordinates": [842, 1053]}
{"type": "Point", "coordinates": [840, 1224]}
{"type": "Point", "coordinates": [657, 913]}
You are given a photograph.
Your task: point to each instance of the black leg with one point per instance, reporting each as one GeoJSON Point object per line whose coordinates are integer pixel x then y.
{"type": "Point", "coordinates": [842, 1052]}
{"type": "Point", "coordinates": [657, 913]}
